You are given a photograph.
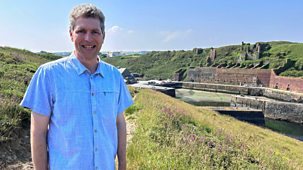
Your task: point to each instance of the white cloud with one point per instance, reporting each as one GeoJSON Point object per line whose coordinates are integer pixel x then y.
{"type": "Point", "coordinates": [169, 36]}
{"type": "Point", "coordinates": [114, 29]}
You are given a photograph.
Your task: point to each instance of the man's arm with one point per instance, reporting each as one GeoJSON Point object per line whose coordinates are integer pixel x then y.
{"type": "Point", "coordinates": [121, 127]}
{"type": "Point", "coordinates": [39, 127]}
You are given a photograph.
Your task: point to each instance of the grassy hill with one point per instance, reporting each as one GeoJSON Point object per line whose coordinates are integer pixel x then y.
{"type": "Point", "coordinates": [286, 58]}
{"type": "Point", "coordinates": [16, 69]}
{"type": "Point", "coordinates": [171, 134]}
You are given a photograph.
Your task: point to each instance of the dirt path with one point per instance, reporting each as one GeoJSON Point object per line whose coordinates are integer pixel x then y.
{"type": "Point", "coordinates": [130, 125]}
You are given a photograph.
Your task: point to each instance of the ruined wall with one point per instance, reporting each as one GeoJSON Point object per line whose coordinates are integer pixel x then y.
{"type": "Point", "coordinates": [287, 83]}
{"type": "Point", "coordinates": [264, 77]}
{"type": "Point", "coordinates": [235, 76]}
{"type": "Point", "coordinates": [202, 74]}
{"type": "Point", "coordinates": [248, 77]}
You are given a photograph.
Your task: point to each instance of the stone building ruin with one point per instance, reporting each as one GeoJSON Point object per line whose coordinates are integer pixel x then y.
{"type": "Point", "coordinates": [244, 77]}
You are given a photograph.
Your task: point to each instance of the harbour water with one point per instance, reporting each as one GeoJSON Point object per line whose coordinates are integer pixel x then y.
{"type": "Point", "coordinates": [204, 98]}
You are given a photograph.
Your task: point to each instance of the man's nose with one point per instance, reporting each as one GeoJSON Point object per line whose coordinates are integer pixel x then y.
{"type": "Point", "coordinates": [87, 37]}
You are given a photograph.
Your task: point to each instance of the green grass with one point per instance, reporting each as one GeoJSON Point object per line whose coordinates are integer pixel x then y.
{"type": "Point", "coordinates": [171, 134]}
{"type": "Point", "coordinates": [16, 69]}
{"type": "Point", "coordinates": [159, 65]}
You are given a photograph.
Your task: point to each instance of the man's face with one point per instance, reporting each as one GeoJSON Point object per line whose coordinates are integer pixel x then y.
{"type": "Point", "coordinates": [87, 37]}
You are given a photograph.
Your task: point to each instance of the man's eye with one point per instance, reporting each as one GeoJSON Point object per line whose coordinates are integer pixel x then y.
{"type": "Point", "coordinates": [80, 31]}
{"type": "Point", "coordinates": [96, 32]}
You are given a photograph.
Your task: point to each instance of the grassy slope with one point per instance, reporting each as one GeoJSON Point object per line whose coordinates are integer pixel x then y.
{"type": "Point", "coordinates": [171, 134]}
{"type": "Point", "coordinates": [159, 65]}
{"type": "Point", "coordinates": [294, 52]}
{"type": "Point", "coordinates": [164, 64]}
{"type": "Point", "coordinates": [16, 69]}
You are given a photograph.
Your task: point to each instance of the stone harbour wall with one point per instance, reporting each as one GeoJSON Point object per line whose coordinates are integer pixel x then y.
{"type": "Point", "coordinates": [216, 87]}
{"type": "Point", "coordinates": [276, 104]}
{"type": "Point", "coordinates": [276, 94]}
{"type": "Point", "coordinates": [283, 95]}
{"type": "Point", "coordinates": [292, 112]}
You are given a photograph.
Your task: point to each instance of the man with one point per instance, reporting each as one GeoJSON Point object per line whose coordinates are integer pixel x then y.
{"type": "Point", "coordinates": [77, 103]}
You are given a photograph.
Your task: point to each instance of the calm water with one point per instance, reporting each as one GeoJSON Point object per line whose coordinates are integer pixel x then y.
{"type": "Point", "coordinates": [294, 130]}
{"type": "Point", "coordinates": [203, 98]}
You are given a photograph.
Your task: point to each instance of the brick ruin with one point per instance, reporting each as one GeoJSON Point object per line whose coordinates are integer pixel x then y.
{"type": "Point", "coordinates": [287, 83]}
{"type": "Point", "coordinates": [211, 57]}
{"type": "Point", "coordinates": [244, 77]}
{"type": "Point", "coordinates": [247, 52]}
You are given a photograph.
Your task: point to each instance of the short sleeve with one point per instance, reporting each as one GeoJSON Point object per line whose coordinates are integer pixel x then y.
{"type": "Point", "coordinates": [38, 94]}
{"type": "Point", "coordinates": [125, 99]}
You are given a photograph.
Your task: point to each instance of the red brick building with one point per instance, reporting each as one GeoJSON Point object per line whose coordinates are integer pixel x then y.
{"type": "Point", "coordinates": [248, 77]}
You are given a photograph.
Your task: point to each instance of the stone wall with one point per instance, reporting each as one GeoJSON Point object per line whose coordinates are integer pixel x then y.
{"type": "Point", "coordinates": [264, 76]}
{"type": "Point", "coordinates": [246, 77]}
{"type": "Point", "coordinates": [275, 94]}
{"type": "Point", "coordinates": [240, 101]}
{"type": "Point", "coordinates": [235, 76]}
{"type": "Point", "coordinates": [283, 95]}
{"type": "Point", "coordinates": [292, 112]}
{"type": "Point", "coordinates": [216, 87]}
{"type": "Point", "coordinates": [287, 83]}
{"type": "Point", "coordinates": [289, 107]}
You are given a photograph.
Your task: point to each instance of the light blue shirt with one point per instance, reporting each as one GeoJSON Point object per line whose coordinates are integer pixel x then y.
{"type": "Point", "coordinates": [82, 108]}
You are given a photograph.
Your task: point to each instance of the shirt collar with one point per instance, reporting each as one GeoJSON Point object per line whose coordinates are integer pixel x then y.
{"type": "Point", "coordinates": [80, 68]}
{"type": "Point", "coordinates": [99, 70]}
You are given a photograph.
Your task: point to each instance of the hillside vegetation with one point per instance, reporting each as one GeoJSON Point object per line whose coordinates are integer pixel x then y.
{"type": "Point", "coordinates": [171, 134]}
{"type": "Point", "coordinates": [286, 58]}
{"type": "Point", "coordinates": [16, 69]}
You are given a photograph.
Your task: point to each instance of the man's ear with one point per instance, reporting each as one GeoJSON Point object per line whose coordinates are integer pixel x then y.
{"type": "Point", "coordinates": [103, 35]}
{"type": "Point", "coordinates": [71, 35]}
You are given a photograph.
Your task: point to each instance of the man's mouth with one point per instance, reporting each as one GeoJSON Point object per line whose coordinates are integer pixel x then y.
{"type": "Point", "coordinates": [88, 46]}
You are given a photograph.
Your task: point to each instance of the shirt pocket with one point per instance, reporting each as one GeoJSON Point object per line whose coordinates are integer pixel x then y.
{"type": "Point", "coordinates": [108, 102]}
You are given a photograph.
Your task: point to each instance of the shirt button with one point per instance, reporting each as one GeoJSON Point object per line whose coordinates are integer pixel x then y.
{"type": "Point", "coordinates": [96, 149]}
{"type": "Point", "coordinates": [93, 94]}
{"type": "Point", "coordinates": [95, 130]}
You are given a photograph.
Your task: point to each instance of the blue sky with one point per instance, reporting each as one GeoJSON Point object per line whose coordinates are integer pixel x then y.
{"type": "Point", "coordinates": [133, 25]}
